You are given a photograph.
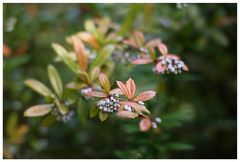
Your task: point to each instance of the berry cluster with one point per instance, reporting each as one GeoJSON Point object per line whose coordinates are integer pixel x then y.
{"type": "Point", "coordinates": [64, 118]}
{"type": "Point", "coordinates": [110, 104]}
{"type": "Point", "coordinates": [155, 122]}
{"type": "Point", "coordinates": [173, 65]}
{"type": "Point", "coordinates": [131, 109]}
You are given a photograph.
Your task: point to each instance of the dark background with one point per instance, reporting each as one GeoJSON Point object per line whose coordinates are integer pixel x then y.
{"type": "Point", "coordinates": [198, 108]}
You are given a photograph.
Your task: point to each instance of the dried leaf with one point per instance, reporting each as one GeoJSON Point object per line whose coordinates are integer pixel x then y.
{"type": "Point", "coordinates": [142, 61]}
{"type": "Point", "coordinates": [136, 106]}
{"type": "Point", "coordinates": [38, 110]}
{"type": "Point", "coordinates": [63, 54]}
{"type": "Point", "coordinates": [96, 94]}
{"type": "Point", "coordinates": [127, 114]}
{"type": "Point", "coordinates": [163, 49]}
{"type": "Point", "coordinates": [55, 80]}
{"type": "Point", "coordinates": [103, 115]}
{"type": "Point", "coordinates": [39, 87]}
{"type": "Point", "coordinates": [130, 43]}
{"type": "Point", "coordinates": [130, 85]}
{"type": "Point", "coordinates": [145, 124]}
{"type": "Point", "coordinates": [144, 96]}
{"type": "Point", "coordinates": [104, 82]}
{"type": "Point", "coordinates": [81, 53]}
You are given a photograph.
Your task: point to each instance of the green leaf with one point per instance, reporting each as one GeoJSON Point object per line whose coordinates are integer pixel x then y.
{"type": "Point", "coordinates": [39, 87]}
{"type": "Point", "coordinates": [103, 115]}
{"type": "Point", "coordinates": [102, 56]}
{"type": "Point", "coordinates": [49, 120]}
{"type": "Point", "coordinates": [61, 107]}
{"type": "Point", "coordinates": [90, 26]}
{"type": "Point", "coordinates": [93, 112]}
{"type": "Point", "coordinates": [55, 80]}
{"type": "Point", "coordinates": [180, 146]}
{"type": "Point", "coordinates": [38, 110]}
{"type": "Point", "coordinates": [64, 55]}
{"type": "Point", "coordinates": [11, 124]}
{"type": "Point", "coordinates": [76, 85]}
{"type": "Point", "coordinates": [82, 111]}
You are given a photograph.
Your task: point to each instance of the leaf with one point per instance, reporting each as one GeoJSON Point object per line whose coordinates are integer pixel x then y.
{"type": "Point", "coordinates": [38, 110]}
{"type": "Point", "coordinates": [153, 43]}
{"type": "Point", "coordinates": [145, 124]}
{"type": "Point", "coordinates": [39, 87]}
{"type": "Point", "coordinates": [63, 54]}
{"type": "Point", "coordinates": [130, 85]}
{"type": "Point", "coordinates": [55, 80]}
{"type": "Point", "coordinates": [144, 96]}
{"type": "Point", "coordinates": [82, 111]}
{"type": "Point", "coordinates": [163, 49]}
{"type": "Point", "coordinates": [94, 73]}
{"type": "Point", "coordinates": [49, 120]}
{"type": "Point", "coordinates": [90, 26]}
{"type": "Point", "coordinates": [136, 106]}
{"type": "Point", "coordinates": [138, 38]}
{"type": "Point", "coordinates": [93, 112]}
{"type": "Point", "coordinates": [61, 107]}
{"type": "Point", "coordinates": [116, 91]}
{"type": "Point", "coordinates": [123, 88]}
{"type": "Point", "coordinates": [127, 114]}
{"type": "Point", "coordinates": [130, 43]}
{"type": "Point", "coordinates": [11, 123]}
{"type": "Point", "coordinates": [142, 61]}
{"type": "Point", "coordinates": [96, 94]}
{"type": "Point", "coordinates": [81, 53]}
{"type": "Point", "coordinates": [152, 53]}
{"type": "Point", "coordinates": [83, 75]}
{"type": "Point", "coordinates": [76, 85]}
{"type": "Point", "coordinates": [185, 68]}
{"type": "Point", "coordinates": [88, 38]}
{"type": "Point", "coordinates": [160, 68]}
{"type": "Point", "coordinates": [102, 56]}
{"type": "Point", "coordinates": [104, 82]}
{"type": "Point", "coordinates": [103, 115]}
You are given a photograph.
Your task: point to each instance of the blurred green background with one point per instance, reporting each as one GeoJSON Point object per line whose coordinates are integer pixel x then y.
{"type": "Point", "coordinates": [198, 108]}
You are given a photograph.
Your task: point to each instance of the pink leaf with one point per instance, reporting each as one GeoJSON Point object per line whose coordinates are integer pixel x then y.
{"type": "Point", "coordinates": [126, 114]}
{"type": "Point", "coordinates": [160, 68]}
{"type": "Point", "coordinates": [130, 43]}
{"type": "Point", "coordinates": [185, 68]}
{"type": "Point", "coordinates": [123, 89]}
{"type": "Point", "coordinates": [96, 94]}
{"type": "Point", "coordinates": [153, 43]}
{"type": "Point", "coordinates": [131, 87]}
{"type": "Point", "coordinates": [144, 96]}
{"type": "Point", "coordinates": [116, 91]}
{"type": "Point", "coordinates": [163, 49]}
{"type": "Point", "coordinates": [104, 82]}
{"type": "Point", "coordinates": [142, 61]}
{"type": "Point", "coordinates": [145, 124]}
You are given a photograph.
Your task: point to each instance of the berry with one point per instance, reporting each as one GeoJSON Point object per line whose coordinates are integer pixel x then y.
{"type": "Point", "coordinates": [110, 104]}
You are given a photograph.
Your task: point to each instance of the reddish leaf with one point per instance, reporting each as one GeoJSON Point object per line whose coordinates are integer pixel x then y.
{"type": "Point", "coordinates": [163, 49]}
{"type": "Point", "coordinates": [160, 68]}
{"type": "Point", "coordinates": [126, 114]}
{"type": "Point", "coordinates": [131, 87]}
{"type": "Point", "coordinates": [142, 61]}
{"type": "Point", "coordinates": [96, 94]}
{"type": "Point", "coordinates": [116, 91]}
{"type": "Point", "coordinates": [153, 43]}
{"type": "Point", "coordinates": [123, 88]}
{"type": "Point", "coordinates": [145, 124]}
{"type": "Point", "coordinates": [88, 38]}
{"type": "Point", "coordinates": [104, 82]}
{"type": "Point", "coordinates": [144, 96]}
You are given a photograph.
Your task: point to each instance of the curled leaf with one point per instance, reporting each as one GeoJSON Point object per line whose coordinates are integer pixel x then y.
{"type": "Point", "coordinates": [142, 61]}
{"type": "Point", "coordinates": [144, 96]}
{"type": "Point", "coordinates": [145, 124]}
{"type": "Point", "coordinates": [130, 85]}
{"type": "Point", "coordinates": [39, 87]}
{"type": "Point", "coordinates": [104, 82]}
{"type": "Point", "coordinates": [127, 114]}
{"type": "Point", "coordinates": [163, 49]}
{"type": "Point", "coordinates": [96, 94]}
{"type": "Point", "coordinates": [38, 110]}
{"type": "Point", "coordinates": [55, 80]}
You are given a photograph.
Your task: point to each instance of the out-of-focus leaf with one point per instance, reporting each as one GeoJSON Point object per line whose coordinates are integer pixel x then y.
{"type": "Point", "coordinates": [142, 61]}
{"type": "Point", "coordinates": [94, 73]}
{"type": "Point", "coordinates": [180, 146]}
{"type": "Point", "coordinates": [88, 38]}
{"type": "Point", "coordinates": [103, 115]}
{"type": "Point", "coordinates": [11, 123]}
{"type": "Point", "coordinates": [39, 87]}
{"type": "Point", "coordinates": [38, 110]}
{"type": "Point", "coordinates": [61, 107]}
{"type": "Point", "coordinates": [145, 124]}
{"type": "Point", "coordinates": [63, 54]}
{"type": "Point", "coordinates": [138, 38]}
{"type": "Point", "coordinates": [55, 80]}
{"type": "Point", "coordinates": [13, 62]}
{"type": "Point", "coordinates": [82, 111]}
{"type": "Point", "coordinates": [153, 43]}
{"type": "Point", "coordinates": [76, 85]}
{"type": "Point", "coordinates": [152, 53]}
{"type": "Point", "coordinates": [49, 120]}
{"type": "Point", "coordinates": [104, 82]}
{"type": "Point", "coordinates": [83, 75]}
{"type": "Point", "coordinates": [163, 49]}
{"type": "Point", "coordinates": [93, 111]}
{"type": "Point", "coordinates": [90, 26]}
{"type": "Point", "coordinates": [102, 56]}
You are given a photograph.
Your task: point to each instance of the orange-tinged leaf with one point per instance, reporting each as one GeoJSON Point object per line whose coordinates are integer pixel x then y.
{"type": "Point", "coordinates": [163, 49]}
{"type": "Point", "coordinates": [104, 82]}
{"type": "Point", "coordinates": [7, 51]}
{"type": "Point", "coordinates": [116, 91]}
{"type": "Point", "coordinates": [88, 38]}
{"type": "Point", "coordinates": [96, 94]}
{"type": "Point", "coordinates": [130, 43]}
{"type": "Point", "coordinates": [145, 124]}
{"type": "Point", "coordinates": [80, 51]}
{"type": "Point", "coordinates": [144, 96]}
{"type": "Point", "coordinates": [123, 88]}
{"type": "Point", "coordinates": [127, 114]}
{"type": "Point", "coordinates": [153, 43]}
{"type": "Point", "coordinates": [142, 61]}
{"type": "Point", "coordinates": [130, 85]}
{"type": "Point", "coordinates": [160, 68]}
